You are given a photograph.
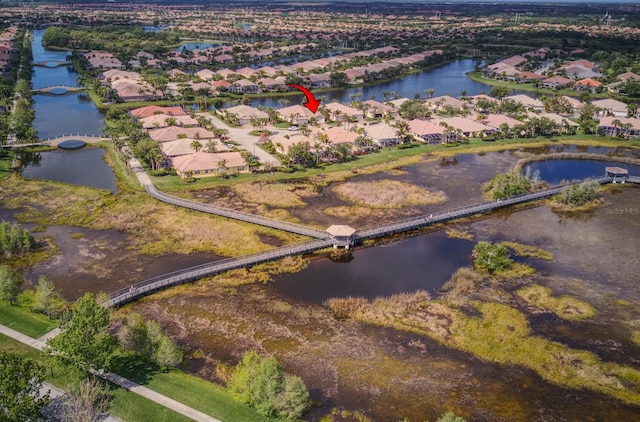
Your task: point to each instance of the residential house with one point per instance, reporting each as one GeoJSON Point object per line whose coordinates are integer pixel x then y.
{"type": "Point", "coordinates": [444, 103]}
{"type": "Point", "coordinates": [221, 85]}
{"type": "Point", "coordinates": [467, 127]}
{"type": "Point", "coordinates": [179, 147]}
{"type": "Point", "coordinates": [171, 133]}
{"type": "Point", "coordinates": [557, 82]}
{"type": "Point", "coordinates": [526, 101]}
{"type": "Point", "coordinates": [338, 112]}
{"type": "Point", "coordinates": [244, 113]}
{"type": "Point", "coordinates": [427, 131]}
{"type": "Point", "coordinates": [587, 85]}
{"type": "Point", "coordinates": [147, 111]}
{"type": "Point", "coordinates": [376, 110]}
{"type": "Point", "coordinates": [164, 120]}
{"type": "Point", "coordinates": [206, 74]}
{"type": "Point", "coordinates": [382, 134]}
{"type": "Point", "coordinates": [611, 107]}
{"type": "Point", "coordinates": [615, 126]}
{"type": "Point", "coordinates": [295, 114]}
{"type": "Point", "coordinates": [131, 90]}
{"type": "Point", "coordinates": [244, 86]}
{"type": "Point", "coordinates": [206, 164]}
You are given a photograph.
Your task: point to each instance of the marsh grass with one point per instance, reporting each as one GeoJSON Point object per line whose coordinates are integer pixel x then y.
{"type": "Point", "coordinates": [517, 270]}
{"type": "Point", "coordinates": [343, 415]}
{"type": "Point", "coordinates": [282, 195]}
{"type": "Point", "coordinates": [455, 233]}
{"type": "Point", "coordinates": [500, 334]}
{"type": "Point", "coordinates": [462, 283]}
{"type": "Point", "coordinates": [557, 206]}
{"type": "Point", "coordinates": [565, 307]}
{"type": "Point", "coordinates": [635, 337]}
{"type": "Point", "coordinates": [388, 194]}
{"type": "Point", "coordinates": [529, 251]}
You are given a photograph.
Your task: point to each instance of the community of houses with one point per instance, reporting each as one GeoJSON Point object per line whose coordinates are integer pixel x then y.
{"type": "Point", "coordinates": [177, 133]}
{"type": "Point", "coordinates": [371, 120]}
{"type": "Point", "coordinates": [7, 48]}
{"type": "Point", "coordinates": [579, 75]}
{"type": "Point", "coordinates": [131, 86]}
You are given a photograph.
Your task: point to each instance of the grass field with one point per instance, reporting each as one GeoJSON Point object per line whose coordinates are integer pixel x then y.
{"type": "Point", "coordinates": [202, 395]}
{"type": "Point", "coordinates": [24, 321]}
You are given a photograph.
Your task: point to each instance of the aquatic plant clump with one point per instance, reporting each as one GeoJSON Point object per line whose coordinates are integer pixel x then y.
{"type": "Point", "coordinates": [388, 194]}
{"type": "Point", "coordinates": [577, 197]}
{"type": "Point", "coordinates": [512, 183]}
{"type": "Point", "coordinates": [491, 257]}
{"type": "Point", "coordinates": [565, 307]}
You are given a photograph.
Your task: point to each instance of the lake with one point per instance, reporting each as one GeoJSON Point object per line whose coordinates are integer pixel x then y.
{"type": "Point", "coordinates": [555, 171]}
{"type": "Point", "coordinates": [79, 167]}
{"type": "Point", "coordinates": [448, 79]}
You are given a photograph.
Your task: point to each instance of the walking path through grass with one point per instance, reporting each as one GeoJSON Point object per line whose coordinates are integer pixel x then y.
{"type": "Point", "coordinates": [136, 388]}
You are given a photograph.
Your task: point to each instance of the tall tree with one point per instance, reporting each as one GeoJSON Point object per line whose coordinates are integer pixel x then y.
{"type": "Point", "coordinates": [9, 281]}
{"type": "Point", "coordinates": [46, 299]}
{"type": "Point", "coordinates": [20, 383]}
{"type": "Point", "coordinates": [86, 402]}
{"type": "Point", "coordinates": [84, 341]}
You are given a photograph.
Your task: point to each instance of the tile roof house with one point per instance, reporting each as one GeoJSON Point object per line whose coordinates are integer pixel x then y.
{"type": "Point", "coordinates": [296, 114]}
{"type": "Point", "coordinates": [152, 109]}
{"type": "Point", "coordinates": [557, 82]}
{"type": "Point", "coordinates": [163, 120]}
{"type": "Point", "coordinates": [527, 101]}
{"type": "Point", "coordinates": [171, 133]}
{"type": "Point", "coordinates": [206, 164]}
{"type": "Point", "coordinates": [382, 134]}
{"type": "Point", "coordinates": [178, 147]}
{"type": "Point", "coordinates": [588, 84]}
{"type": "Point", "coordinates": [611, 107]}
{"type": "Point", "coordinates": [244, 113]}
{"type": "Point", "coordinates": [609, 127]}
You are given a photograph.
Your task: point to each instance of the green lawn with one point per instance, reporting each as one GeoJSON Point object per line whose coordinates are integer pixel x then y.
{"type": "Point", "coordinates": [202, 395]}
{"type": "Point", "coordinates": [7, 344]}
{"type": "Point", "coordinates": [23, 320]}
{"type": "Point", "coordinates": [173, 183]}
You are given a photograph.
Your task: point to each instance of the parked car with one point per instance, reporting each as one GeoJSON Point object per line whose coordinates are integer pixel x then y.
{"type": "Point", "coordinates": [293, 128]}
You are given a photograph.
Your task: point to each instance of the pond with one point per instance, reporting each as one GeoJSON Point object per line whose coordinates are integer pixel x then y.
{"type": "Point", "coordinates": [417, 263]}
{"type": "Point", "coordinates": [72, 113]}
{"type": "Point", "coordinates": [80, 167]}
{"type": "Point", "coordinates": [555, 171]}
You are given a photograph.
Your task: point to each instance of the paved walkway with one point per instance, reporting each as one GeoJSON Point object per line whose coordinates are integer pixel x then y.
{"type": "Point", "coordinates": [135, 388]}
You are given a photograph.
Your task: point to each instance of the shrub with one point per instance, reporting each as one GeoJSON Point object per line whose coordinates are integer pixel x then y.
{"type": "Point", "coordinates": [491, 257]}
{"type": "Point", "coordinates": [14, 240]}
{"type": "Point", "coordinates": [510, 184]}
{"type": "Point", "coordinates": [260, 382]}
{"type": "Point", "coordinates": [579, 194]}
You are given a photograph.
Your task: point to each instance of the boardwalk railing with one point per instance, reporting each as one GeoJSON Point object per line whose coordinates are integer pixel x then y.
{"type": "Point", "coordinates": [481, 208]}
{"type": "Point", "coordinates": [50, 87]}
{"type": "Point", "coordinates": [186, 275]}
{"type": "Point", "coordinates": [237, 215]}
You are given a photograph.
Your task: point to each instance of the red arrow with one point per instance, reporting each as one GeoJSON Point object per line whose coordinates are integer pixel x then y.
{"type": "Point", "coordinates": [312, 104]}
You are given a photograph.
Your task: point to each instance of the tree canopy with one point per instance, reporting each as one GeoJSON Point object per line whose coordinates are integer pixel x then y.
{"type": "Point", "coordinates": [20, 382]}
{"type": "Point", "coordinates": [84, 341]}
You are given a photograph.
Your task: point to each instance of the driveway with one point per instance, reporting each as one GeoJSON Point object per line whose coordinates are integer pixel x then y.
{"type": "Point", "coordinates": [246, 140]}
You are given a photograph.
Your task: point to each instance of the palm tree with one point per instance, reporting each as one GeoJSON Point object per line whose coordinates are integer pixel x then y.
{"type": "Point", "coordinates": [222, 168]}
{"type": "Point", "coordinates": [430, 91]}
{"type": "Point", "coordinates": [196, 145]}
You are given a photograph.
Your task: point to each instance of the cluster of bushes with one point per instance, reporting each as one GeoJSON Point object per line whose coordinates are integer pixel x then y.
{"type": "Point", "coordinates": [491, 257]}
{"type": "Point", "coordinates": [579, 194]}
{"type": "Point", "coordinates": [261, 383]}
{"type": "Point", "coordinates": [148, 339]}
{"type": "Point", "coordinates": [15, 240]}
{"type": "Point", "coordinates": [512, 183]}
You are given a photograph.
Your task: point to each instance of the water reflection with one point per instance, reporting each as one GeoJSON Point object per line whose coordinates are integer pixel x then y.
{"type": "Point", "coordinates": [80, 167]}
{"type": "Point", "coordinates": [418, 263]}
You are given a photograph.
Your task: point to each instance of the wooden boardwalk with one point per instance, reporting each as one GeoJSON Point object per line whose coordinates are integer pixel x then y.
{"type": "Point", "coordinates": [186, 275]}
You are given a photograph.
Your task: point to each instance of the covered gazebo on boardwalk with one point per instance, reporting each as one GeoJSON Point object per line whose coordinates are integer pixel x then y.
{"type": "Point", "coordinates": [618, 174]}
{"type": "Point", "coordinates": [343, 236]}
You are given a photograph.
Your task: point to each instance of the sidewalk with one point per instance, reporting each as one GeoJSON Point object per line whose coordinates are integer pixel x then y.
{"type": "Point", "coordinates": [135, 388]}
